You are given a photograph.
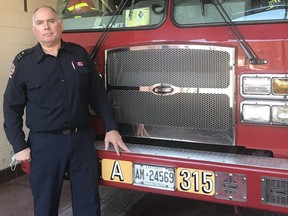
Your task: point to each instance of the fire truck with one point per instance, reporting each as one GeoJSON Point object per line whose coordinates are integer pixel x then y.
{"type": "Point", "coordinates": [199, 89]}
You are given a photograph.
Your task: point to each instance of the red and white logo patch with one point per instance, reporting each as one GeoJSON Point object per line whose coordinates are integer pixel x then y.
{"type": "Point", "coordinates": [12, 70]}
{"type": "Point", "coordinates": [79, 64]}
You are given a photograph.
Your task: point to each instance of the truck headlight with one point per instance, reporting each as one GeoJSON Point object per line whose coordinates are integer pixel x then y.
{"type": "Point", "coordinates": [256, 113]}
{"type": "Point", "coordinates": [265, 99]}
{"type": "Point", "coordinates": [256, 85]}
{"type": "Point", "coordinates": [280, 86]}
{"type": "Point", "coordinates": [280, 114]}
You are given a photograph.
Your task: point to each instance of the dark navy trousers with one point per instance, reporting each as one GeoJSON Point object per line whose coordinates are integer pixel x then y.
{"type": "Point", "coordinates": [54, 154]}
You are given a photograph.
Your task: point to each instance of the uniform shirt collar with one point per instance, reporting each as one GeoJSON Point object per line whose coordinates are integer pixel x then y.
{"type": "Point", "coordinates": [40, 53]}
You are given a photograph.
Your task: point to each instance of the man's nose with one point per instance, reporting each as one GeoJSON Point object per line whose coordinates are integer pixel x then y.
{"type": "Point", "coordinates": [46, 25]}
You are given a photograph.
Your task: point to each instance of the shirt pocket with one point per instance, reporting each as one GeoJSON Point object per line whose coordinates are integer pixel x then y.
{"type": "Point", "coordinates": [82, 75]}
{"type": "Point", "coordinates": [36, 90]}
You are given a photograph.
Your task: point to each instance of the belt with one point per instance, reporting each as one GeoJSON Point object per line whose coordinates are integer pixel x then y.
{"type": "Point", "coordinates": [70, 131]}
{"type": "Point", "coordinates": [66, 132]}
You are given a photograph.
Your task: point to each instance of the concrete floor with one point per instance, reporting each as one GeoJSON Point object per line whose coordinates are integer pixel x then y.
{"type": "Point", "coordinates": [16, 200]}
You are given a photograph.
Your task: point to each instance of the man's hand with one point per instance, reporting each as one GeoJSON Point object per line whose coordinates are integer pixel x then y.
{"type": "Point", "coordinates": [115, 138]}
{"type": "Point", "coordinates": [23, 156]}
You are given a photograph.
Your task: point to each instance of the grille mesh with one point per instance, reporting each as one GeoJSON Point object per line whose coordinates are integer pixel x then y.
{"type": "Point", "coordinates": [180, 110]}
{"type": "Point", "coordinates": [179, 67]}
{"type": "Point", "coordinates": [182, 66]}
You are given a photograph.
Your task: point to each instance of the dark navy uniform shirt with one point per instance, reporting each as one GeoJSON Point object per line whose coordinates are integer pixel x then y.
{"type": "Point", "coordinates": [56, 92]}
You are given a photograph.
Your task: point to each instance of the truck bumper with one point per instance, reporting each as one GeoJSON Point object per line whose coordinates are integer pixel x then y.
{"type": "Point", "coordinates": [238, 180]}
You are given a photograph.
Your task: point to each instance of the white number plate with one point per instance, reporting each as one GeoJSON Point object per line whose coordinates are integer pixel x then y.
{"type": "Point", "coordinates": [154, 176]}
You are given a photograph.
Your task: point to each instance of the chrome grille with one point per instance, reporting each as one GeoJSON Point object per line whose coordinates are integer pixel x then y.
{"type": "Point", "coordinates": [178, 92]}
{"type": "Point", "coordinates": [180, 67]}
{"type": "Point", "coordinates": [181, 110]}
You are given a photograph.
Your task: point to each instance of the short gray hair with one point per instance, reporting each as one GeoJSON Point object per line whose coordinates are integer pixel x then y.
{"type": "Point", "coordinates": [45, 6]}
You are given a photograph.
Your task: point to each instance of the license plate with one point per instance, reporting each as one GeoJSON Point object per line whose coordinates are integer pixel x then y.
{"type": "Point", "coordinates": [154, 176]}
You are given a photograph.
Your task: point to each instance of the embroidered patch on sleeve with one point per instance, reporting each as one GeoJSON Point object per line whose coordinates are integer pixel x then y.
{"type": "Point", "coordinates": [12, 70]}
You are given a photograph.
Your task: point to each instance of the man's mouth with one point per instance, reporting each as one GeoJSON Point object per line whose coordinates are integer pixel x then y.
{"type": "Point", "coordinates": [48, 34]}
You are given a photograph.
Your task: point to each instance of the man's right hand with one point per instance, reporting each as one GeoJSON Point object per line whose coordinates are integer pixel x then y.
{"type": "Point", "coordinates": [23, 156]}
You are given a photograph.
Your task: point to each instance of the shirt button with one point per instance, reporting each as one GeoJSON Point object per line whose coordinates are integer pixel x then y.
{"type": "Point", "coordinates": [62, 81]}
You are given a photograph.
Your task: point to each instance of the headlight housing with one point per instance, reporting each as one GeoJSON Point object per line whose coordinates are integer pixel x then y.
{"type": "Point", "coordinates": [270, 86]}
{"type": "Point", "coordinates": [256, 113]}
{"type": "Point", "coordinates": [256, 86]}
{"type": "Point", "coordinates": [264, 112]}
{"type": "Point", "coordinates": [280, 115]}
{"type": "Point", "coordinates": [280, 86]}
{"type": "Point", "coordinates": [265, 99]}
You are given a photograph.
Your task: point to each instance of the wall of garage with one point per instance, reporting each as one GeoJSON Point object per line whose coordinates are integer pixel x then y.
{"type": "Point", "coordinates": [15, 36]}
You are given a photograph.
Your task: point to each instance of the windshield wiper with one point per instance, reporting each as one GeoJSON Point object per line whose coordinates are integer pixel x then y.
{"type": "Point", "coordinates": [107, 29]}
{"type": "Point", "coordinates": [286, 8]}
{"type": "Point", "coordinates": [202, 8]}
{"type": "Point", "coordinates": [250, 54]}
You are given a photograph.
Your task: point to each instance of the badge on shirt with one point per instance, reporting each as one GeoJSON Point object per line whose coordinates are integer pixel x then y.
{"type": "Point", "coordinates": [12, 70]}
{"type": "Point", "coordinates": [79, 64]}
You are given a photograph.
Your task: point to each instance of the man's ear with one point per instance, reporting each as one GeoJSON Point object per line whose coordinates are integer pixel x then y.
{"type": "Point", "coordinates": [61, 23]}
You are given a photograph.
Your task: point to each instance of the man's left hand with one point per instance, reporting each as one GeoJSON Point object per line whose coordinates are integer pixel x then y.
{"type": "Point", "coordinates": [115, 138]}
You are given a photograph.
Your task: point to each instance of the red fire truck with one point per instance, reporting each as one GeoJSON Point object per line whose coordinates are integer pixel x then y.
{"type": "Point", "coordinates": [199, 89]}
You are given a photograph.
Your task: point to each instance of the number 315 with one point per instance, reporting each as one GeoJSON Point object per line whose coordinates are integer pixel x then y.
{"type": "Point", "coordinates": [197, 181]}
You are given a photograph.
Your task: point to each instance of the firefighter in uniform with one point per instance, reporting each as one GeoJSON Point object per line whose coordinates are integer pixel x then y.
{"type": "Point", "coordinates": [55, 81]}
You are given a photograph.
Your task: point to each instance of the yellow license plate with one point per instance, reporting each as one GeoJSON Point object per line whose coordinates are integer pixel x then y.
{"type": "Point", "coordinates": [117, 171]}
{"type": "Point", "coordinates": [195, 181]}
{"type": "Point", "coordinates": [167, 178]}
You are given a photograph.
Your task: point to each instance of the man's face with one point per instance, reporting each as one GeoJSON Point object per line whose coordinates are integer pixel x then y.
{"type": "Point", "coordinates": [47, 28]}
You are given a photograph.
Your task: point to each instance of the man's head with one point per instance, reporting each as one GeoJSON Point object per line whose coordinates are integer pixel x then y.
{"type": "Point", "coordinates": [47, 26]}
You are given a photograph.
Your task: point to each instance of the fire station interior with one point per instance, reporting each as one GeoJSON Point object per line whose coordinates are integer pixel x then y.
{"type": "Point", "coordinates": [16, 197]}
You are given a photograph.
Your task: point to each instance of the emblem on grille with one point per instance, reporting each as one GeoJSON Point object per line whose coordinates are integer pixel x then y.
{"type": "Point", "coordinates": [278, 192]}
{"type": "Point", "coordinates": [230, 186]}
{"type": "Point", "coordinates": [163, 89]}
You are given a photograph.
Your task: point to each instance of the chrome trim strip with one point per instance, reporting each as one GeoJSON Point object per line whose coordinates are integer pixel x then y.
{"type": "Point", "coordinates": [175, 89]}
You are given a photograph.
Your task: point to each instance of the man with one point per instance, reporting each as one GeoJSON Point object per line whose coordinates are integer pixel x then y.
{"type": "Point", "coordinates": [55, 81]}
